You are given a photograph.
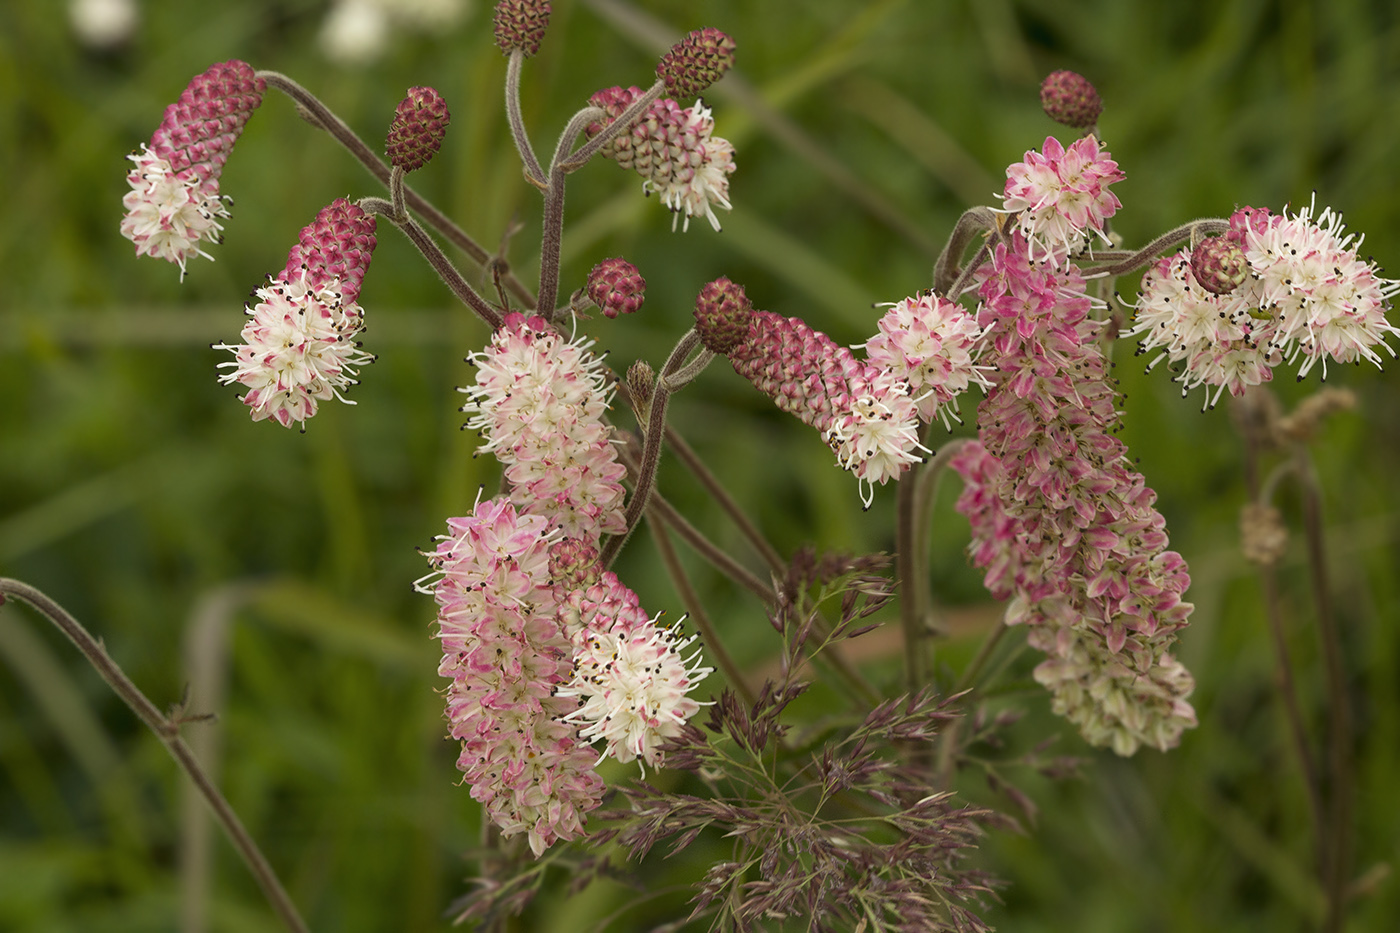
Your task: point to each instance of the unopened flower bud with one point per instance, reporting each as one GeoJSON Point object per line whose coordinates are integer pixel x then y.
{"type": "Point", "coordinates": [1219, 265]}
{"type": "Point", "coordinates": [1069, 98]}
{"type": "Point", "coordinates": [520, 24]}
{"type": "Point", "coordinates": [420, 123]}
{"type": "Point", "coordinates": [616, 287]}
{"type": "Point", "coordinates": [641, 382]}
{"type": "Point", "coordinates": [573, 563]}
{"type": "Point", "coordinates": [722, 312]}
{"type": "Point", "coordinates": [696, 62]}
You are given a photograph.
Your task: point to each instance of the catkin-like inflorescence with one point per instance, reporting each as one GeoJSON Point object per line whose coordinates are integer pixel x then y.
{"type": "Point", "coordinates": [673, 149]}
{"type": "Point", "coordinates": [1061, 524]}
{"type": "Point", "coordinates": [1069, 98]}
{"type": "Point", "coordinates": [299, 344]}
{"type": "Point", "coordinates": [696, 62]}
{"type": "Point", "coordinates": [420, 123]}
{"type": "Point", "coordinates": [174, 204]}
{"type": "Point", "coordinates": [520, 24]}
{"type": "Point", "coordinates": [616, 287]}
{"type": "Point", "coordinates": [539, 401]}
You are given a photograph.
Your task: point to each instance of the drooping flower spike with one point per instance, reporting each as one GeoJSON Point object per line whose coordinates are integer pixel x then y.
{"type": "Point", "coordinates": [299, 344]}
{"type": "Point", "coordinates": [675, 152]}
{"type": "Point", "coordinates": [174, 206]}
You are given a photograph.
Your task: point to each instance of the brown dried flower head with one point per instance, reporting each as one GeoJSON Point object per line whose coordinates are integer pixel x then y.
{"type": "Point", "coordinates": [722, 312]}
{"type": "Point", "coordinates": [696, 62]}
{"type": "Point", "coordinates": [420, 123]}
{"type": "Point", "coordinates": [1069, 98]}
{"type": "Point", "coordinates": [520, 24]}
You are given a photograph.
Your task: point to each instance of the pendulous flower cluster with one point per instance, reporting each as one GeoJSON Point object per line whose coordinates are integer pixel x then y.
{"type": "Point", "coordinates": [174, 205]}
{"type": "Point", "coordinates": [674, 150]}
{"type": "Point", "coordinates": [1303, 294]}
{"type": "Point", "coordinates": [1059, 198]}
{"type": "Point", "coordinates": [1062, 524]}
{"type": "Point", "coordinates": [539, 401]}
{"type": "Point", "coordinates": [299, 344]}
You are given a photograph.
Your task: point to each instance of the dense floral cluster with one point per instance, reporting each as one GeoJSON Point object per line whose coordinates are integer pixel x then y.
{"type": "Point", "coordinates": [299, 345]}
{"type": "Point", "coordinates": [1062, 524]}
{"type": "Point", "coordinates": [174, 202]}
{"type": "Point", "coordinates": [1304, 294]}
{"type": "Point", "coordinates": [539, 402]}
{"type": "Point", "coordinates": [1060, 197]}
{"type": "Point", "coordinates": [675, 152]}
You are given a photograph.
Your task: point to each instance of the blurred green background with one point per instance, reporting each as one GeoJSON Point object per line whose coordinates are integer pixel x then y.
{"type": "Point", "coordinates": [136, 491]}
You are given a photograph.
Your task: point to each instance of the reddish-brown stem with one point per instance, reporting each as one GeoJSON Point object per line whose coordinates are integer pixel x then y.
{"type": "Point", "coordinates": [168, 731]}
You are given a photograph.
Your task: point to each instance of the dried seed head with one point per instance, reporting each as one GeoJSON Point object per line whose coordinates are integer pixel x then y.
{"type": "Point", "coordinates": [616, 287]}
{"type": "Point", "coordinates": [520, 24]}
{"type": "Point", "coordinates": [420, 123]}
{"type": "Point", "coordinates": [1069, 98]}
{"type": "Point", "coordinates": [1219, 265]}
{"type": "Point", "coordinates": [641, 382]}
{"type": "Point", "coordinates": [696, 62]}
{"type": "Point", "coordinates": [722, 313]}
{"type": "Point", "coordinates": [1263, 536]}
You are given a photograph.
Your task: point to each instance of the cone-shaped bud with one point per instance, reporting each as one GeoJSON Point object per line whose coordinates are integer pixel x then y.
{"type": "Point", "coordinates": [573, 564]}
{"type": "Point", "coordinates": [641, 382]}
{"type": "Point", "coordinates": [722, 313]}
{"type": "Point", "coordinates": [337, 245]}
{"type": "Point", "coordinates": [420, 123]}
{"type": "Point", "coordinates": [520, 24]}
{"type": "Point", "coordinates": [616, 287]}
{"type": "Point", "coordinates": [1069, 98]}
{"type": "Point", "coordinates": [696, 62]}
{"type": "Point", "coordinates": [1219, 265]}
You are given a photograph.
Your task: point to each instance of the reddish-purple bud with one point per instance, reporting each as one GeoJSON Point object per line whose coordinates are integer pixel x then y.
{"type": "Point", "coordinates": [520, 24]}
{"type": "Point", "coordinates": [573, 563]}
{"type": "Point", "coordinates": [1219, 265]}
{"type": "Point", "coordinates": [722, 313]}
{"type": "Point", "coordinates": [1069, 98]}
{"type": "Point", "coordinates": [420, 123]}
{"type": "Point", "coordinates": [338, 244]}
{"type": "Point", "coordinates": [616, 287]}
{"type": "Point", "coordinates": [198, 130]}
{"type": "Point", "coordinates": [696, 62]}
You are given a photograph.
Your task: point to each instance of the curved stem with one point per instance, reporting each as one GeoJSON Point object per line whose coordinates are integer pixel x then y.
{"type": "Point", "coordinates": [623, 123]}
{"type": "Point", "coordinates": [965, 279]}
{"type": "Point", "coordinates": [453, 279]}
{"type": "Point", "coordinates": [973, 221]}
{"type": "Point", "coordinates": [168, 731]}
{"type": "Point", "coordinates": [1134, 260]}
{"type": "Point", "coordinates": [320, 116]}
{"type": "Point", "coordinates": [651, 446]}
{"type": "Point", "coordinates": [533, 172]}
{"type": "Point", "coordinates": [693, 607]}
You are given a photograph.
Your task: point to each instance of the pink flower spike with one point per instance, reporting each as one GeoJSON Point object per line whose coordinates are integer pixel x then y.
{"type": "Point", "coordinates": [1060, 197]}
{"type": "Point", "coordinates": [174, 202]}
{"type": "Point", "coordinates": [299, 345]}
{"type": "Point", "coordinates": [933, 344]}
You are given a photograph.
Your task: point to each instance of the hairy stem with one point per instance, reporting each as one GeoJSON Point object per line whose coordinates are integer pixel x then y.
{"type": "Point", "coordinates": [320, 116]}
{"type": "Point", "coordinates": [453, 279]}
{"type": "Point", "coordinates": [974, 221]}
{"type": "Point", "coordinates": [168, 731]}
{"type": "Point", "coordinates": [533, 172]}
{"type": "Point", "coordinates": [551, 244]}
{"type": "Point", "coordinates": [1116, 262]}
{"type": "Point", "coordinates": [623, 123]}
{"type": "Point", "coordinates": [696, 610]}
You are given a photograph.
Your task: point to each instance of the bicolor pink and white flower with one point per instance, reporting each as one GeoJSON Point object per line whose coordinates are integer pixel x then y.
{"type": "Point", "coordinates": [299, 345]}
{"type": "Point", "coordinates": [539, 401]}
{"type": "Point", "coordinates": [932, 344]}
{"type": "Point", "coordinates": [507, 655]}
{"type": "Point", "coordinates": [1062, 525]}
{"type": "Point", "coordinates": [674, 150]}
{"type": "Point", "coordinates": [1305, 296]}
{"type": "Point", "coordinates": [1060, 197]}
{"type": "Point", "coordinates": [174, 204]}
